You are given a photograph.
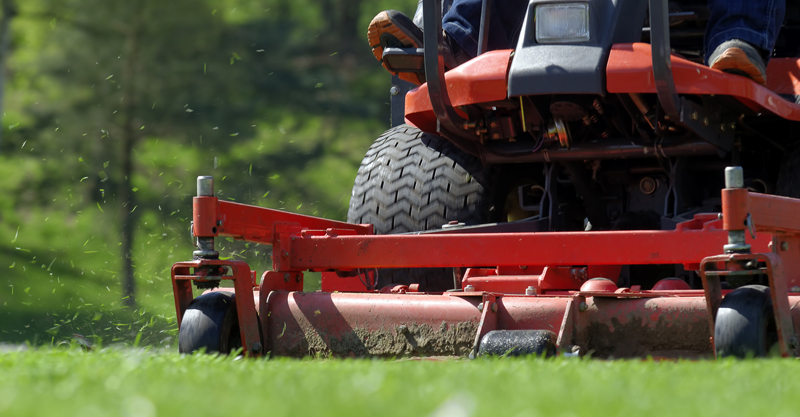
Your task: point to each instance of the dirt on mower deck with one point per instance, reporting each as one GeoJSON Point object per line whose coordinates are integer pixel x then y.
{"type": "Point", "coordinates": [647, 330]}
{"type": "Point", "coordinates": [402, 341]}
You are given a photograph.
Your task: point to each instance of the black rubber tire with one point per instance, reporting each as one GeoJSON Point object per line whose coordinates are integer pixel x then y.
{"type": "Point", "coordinates": [745, 325]}
{"type": "Point", "coordinates": [789, 176]}
{"type": "Point", "coordinates": [412, 181]}
{"type": "Point", "coordinates": [518, 343]}
{"type": "Point", "coordinates": [211, 323]}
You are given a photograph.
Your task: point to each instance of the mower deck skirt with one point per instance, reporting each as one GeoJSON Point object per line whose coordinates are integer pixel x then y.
{"type": "Point", "coordinates": [396, 325]}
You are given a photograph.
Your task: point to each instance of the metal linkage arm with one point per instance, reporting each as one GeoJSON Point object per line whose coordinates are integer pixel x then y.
{"type": "Point", "coordinates": [662, 64]}
{"type": "Point", "coordinates": [680, 111]}
{"type": "Point", "coordinates": [324, 252]}
{"type": "Point", "coordinates": [212, 217]}
{"type": "Point", "coordinates": [449, 120]}
{"type": "Point", "coordinates": [486, 16]}
{"type": "Point", "coordinates": [767, 213]}
{"type": "Point", "coordinates": [255, 224]}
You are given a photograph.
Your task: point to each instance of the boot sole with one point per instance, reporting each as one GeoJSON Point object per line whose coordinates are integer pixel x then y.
{"type": "Point", "coordinates": [382, 24]}
{"type": "Point", "coordinates": [735, 60]}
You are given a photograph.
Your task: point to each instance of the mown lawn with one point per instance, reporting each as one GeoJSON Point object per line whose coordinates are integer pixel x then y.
{"type": "Point", "coordinates": [70, 382]}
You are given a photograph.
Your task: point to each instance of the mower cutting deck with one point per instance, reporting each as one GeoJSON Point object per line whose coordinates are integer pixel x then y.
{"type": "Point", "coordinates": [629, 246]}
{"type": "Point", "coordinates": [552, 283]}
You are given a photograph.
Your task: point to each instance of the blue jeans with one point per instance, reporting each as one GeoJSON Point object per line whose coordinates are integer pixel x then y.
{"type": "Point", "coordinates": [753, 21]}
{"type": "Point", "coordinates": [463, 23]}
{"type": "Point", "coordinates": [756, 22]}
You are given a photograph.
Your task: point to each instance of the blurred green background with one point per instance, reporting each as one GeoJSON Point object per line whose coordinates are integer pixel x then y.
{"type": "Point", "coordinates": [112, 108]}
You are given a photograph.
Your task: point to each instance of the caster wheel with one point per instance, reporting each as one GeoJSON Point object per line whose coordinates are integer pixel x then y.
{"type": "Point", "coordinates": [745, 325]}
{"type": "Point", "coordinates": [210, 323]}
{"type": "Point", "coordinates": [518, 343]}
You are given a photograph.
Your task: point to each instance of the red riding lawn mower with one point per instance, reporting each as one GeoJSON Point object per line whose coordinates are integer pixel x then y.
{"type": "Point", "coordinates": [596, 191]}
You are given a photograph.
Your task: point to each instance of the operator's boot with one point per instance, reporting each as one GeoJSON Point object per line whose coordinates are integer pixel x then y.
{"type": "Point", "coordinates": [739, 57]}
{"type": "Point", "coordinates": [393, 29]}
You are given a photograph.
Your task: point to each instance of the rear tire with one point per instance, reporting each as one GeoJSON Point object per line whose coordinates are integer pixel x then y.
{"type": "Point", "coordinates": [745, 325]}
{"type": "Point", "coordinates": [412, 181]}
{"type": "Point", "coordinates": [211, 323]}
{"type": "Point", "coordinates": [789, 176]}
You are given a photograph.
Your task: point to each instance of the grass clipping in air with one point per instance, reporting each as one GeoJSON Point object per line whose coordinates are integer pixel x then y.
{"type": "Point", "coordinates": [71, 382]}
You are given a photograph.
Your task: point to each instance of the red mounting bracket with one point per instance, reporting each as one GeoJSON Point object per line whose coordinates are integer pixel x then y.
{"type": "Point", "coordinates": [209, 270]}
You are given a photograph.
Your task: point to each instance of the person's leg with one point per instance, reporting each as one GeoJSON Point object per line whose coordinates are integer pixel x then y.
{"type": "Point", "coordinates": [462, 23]}
{"type": "Point", "coordinates": [741, 34]}
{"type": "Point", "coordinates": [756, 22]}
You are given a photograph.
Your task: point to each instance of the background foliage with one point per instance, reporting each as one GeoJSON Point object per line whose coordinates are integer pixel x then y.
{"type": "Point", "coordinates": [277, 99]}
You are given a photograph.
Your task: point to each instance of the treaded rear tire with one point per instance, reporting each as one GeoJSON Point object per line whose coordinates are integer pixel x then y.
{"type": "Point", "coordinates": [413, 181]}
{"type": "Point", "coordinates": [789, 176]}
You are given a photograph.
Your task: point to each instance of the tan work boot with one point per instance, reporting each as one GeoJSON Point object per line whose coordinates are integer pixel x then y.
{"type": "Point", "coordinates": [391, 28]}
{"type": "Point", "coordinates": [739, 57]}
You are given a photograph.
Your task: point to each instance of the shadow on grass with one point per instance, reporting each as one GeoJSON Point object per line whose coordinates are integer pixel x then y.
{"type": "Point", "coordinates": [103, 328]}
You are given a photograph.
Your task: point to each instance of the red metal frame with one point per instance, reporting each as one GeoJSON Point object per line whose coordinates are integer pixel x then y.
{"type": "Point", "coordinates": [213, 217]}
{"type": "Point", "coordinates": [205, 270]}
{"type": "Point", "coordinates": [510, 280]}
{"type": "Point", "coordinates": [773, 268]}
{"type": "Point", "coordinates": [540, 281]}
{"type": "Point", "coordinates": [629, 70]}
{"type": "Point", "coordinates": [743, 210]}
{"type": "Point", "coordinates": [327, 252]}
{"type": "Point", "coordinates": [480, 80]}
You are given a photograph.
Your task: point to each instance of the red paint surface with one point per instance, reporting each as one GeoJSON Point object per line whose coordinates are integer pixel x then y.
{"type": "Point", "coordinates": [480, 80]}
{"type": "Point", "coordinates": [630, 70]}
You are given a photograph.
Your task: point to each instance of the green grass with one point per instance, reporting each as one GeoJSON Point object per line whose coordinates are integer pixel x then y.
{"type": "Point", "coordinates": [60, 276]}
{"type": "Point", "coordinates": [69, 382]}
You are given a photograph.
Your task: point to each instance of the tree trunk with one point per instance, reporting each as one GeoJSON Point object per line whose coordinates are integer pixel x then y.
{"type": "Point", "coordinates": [129, 136]}
{"type": "Point", "coordinates": [341, 26]}
{"type": "Point", "coordinates": [351, 35]}
{"type": "Point", "coordinates": [9, 8]}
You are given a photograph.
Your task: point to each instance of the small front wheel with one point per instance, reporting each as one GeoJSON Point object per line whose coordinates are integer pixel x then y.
{"type": "Point", "coordinates": [745, 325]}
{"type": "Point", "coordinates": [210, 323]}
{"type": "Point", "coordinates": [540, 343]}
